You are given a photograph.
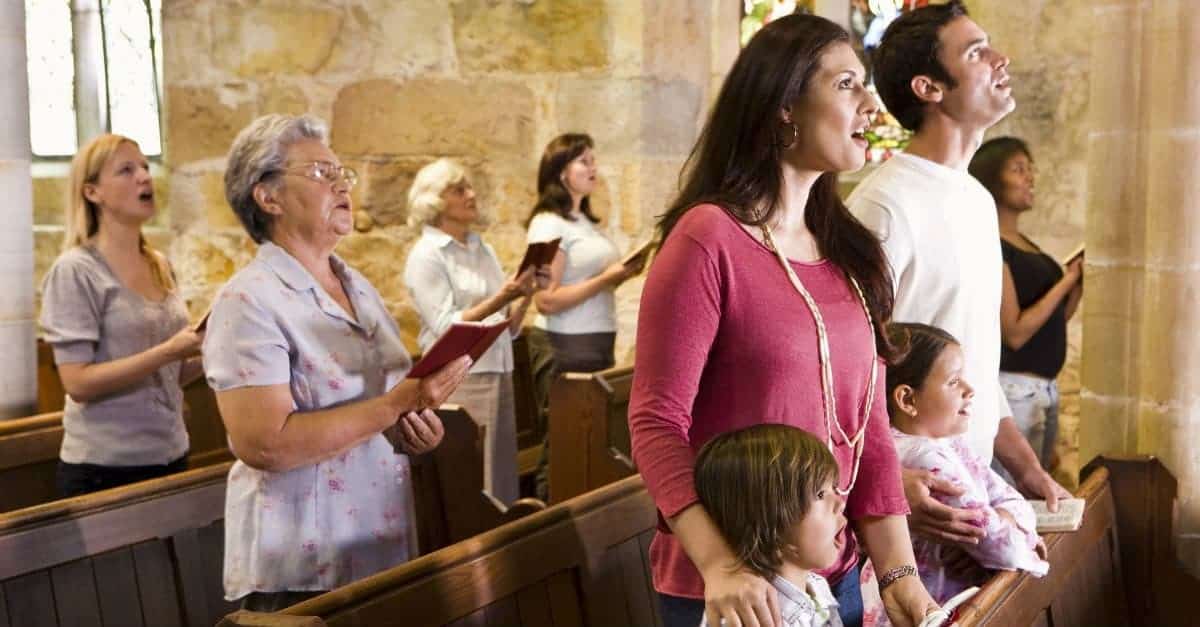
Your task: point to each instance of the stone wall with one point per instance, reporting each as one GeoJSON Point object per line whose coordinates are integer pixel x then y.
{"type": "Point", "coordinates": [1050, 43]}
{"type": "Point", "coordinates": [488, 82]}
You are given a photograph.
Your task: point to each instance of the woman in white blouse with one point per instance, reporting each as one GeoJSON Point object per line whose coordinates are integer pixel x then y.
{"type": "Point", "coordinates": [452, 276]}
{"type": "Point", "coordinates": [577, 311]}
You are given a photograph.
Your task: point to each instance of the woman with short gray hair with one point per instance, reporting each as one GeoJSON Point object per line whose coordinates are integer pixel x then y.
{"type": "Point", "coordinates": [309, 373]}
{"type": "Point", "coordinates": [452, 276]}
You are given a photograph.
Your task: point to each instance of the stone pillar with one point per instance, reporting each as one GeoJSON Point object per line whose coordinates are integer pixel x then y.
{"type": "Point", "coordinates": [1141, 360]}
{"type": "Point", "coordinates": [18, 369]}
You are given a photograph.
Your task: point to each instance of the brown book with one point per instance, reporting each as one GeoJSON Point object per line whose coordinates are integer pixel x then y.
{"type": "Point", "coordinates": [200, 326]}
{"type": "Point", "coordinates": [462, 338]}
{"type": "Point", "coordinates": [639, 254]}
{"type": "Point", "coordinates": [539, 254]}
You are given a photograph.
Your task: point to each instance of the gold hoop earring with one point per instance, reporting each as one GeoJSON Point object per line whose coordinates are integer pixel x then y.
{"type": "Point", "coordinates": [795, 137]}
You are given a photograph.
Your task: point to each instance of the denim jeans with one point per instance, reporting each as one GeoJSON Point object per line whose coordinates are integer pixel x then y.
{"type": "Point", "coordinates": [1034, 403]}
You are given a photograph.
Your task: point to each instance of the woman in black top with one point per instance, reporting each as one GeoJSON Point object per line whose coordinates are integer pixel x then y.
{"type": "Point", "coordinates": [1038, 299]}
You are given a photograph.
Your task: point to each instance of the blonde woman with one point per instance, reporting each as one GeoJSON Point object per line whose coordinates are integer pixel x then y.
{"type": "Point", "coordinates": [453, 275]}
{"type": "Point", "coordinates": [118, 327]}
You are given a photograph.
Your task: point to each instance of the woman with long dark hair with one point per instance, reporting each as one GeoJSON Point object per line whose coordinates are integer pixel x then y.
{"type": "Point", "coordinates": [577, 311]}
{"type": "Point", "coordinates": [767, 304]}
{"type": "Point", "coordinates": [1037, 300]}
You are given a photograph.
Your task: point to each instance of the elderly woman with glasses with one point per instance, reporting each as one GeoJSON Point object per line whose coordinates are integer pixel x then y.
{"type": "Point", "coordinates": [309, 373]}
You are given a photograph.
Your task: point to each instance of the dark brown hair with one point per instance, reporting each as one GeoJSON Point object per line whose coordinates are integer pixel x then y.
{"type": "Point", "coordinates": [920, 345]}
{"type": "Point", "coordinates": [988, 163]}
{"type": "Point", "coordinates": [552, 194]}
{"type": "Point", "coordinates": [909, 48]}
{"type": "Point", "coordinates": [757, 483]}
{"type": "Point", "coordinates": [737, 163]}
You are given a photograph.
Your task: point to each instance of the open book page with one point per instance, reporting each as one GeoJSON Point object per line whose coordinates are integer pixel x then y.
{"type": "Point", "coordinates": [462, 338]}
{"type": "Point", "coordinates": [1072, 255]}
{"type": "Point", "coordinates": [1068, 517]}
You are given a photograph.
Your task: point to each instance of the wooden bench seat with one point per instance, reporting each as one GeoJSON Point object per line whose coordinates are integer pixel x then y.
{"type": "Point", "coordinates": [589, 431]}
{"type": "Point", "coordinates": [585, 562]}
{"type": "Point", "coordinates": [150, 553]}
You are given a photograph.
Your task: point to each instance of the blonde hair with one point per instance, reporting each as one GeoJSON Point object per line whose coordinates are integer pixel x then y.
{"type": "Point", "coordinates": [83, 216]}
{"type": "Point", "coordinates": [425, 201]}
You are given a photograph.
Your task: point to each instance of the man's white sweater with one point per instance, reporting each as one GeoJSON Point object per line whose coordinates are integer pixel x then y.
{"type": "Point", "coordinates": [939, 230]}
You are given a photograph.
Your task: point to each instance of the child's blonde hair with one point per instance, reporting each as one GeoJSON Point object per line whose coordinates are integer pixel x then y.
{"type": "Point", "coordinates": [83, 216]}
{"type": "Point", "coordinates": [757, 483]}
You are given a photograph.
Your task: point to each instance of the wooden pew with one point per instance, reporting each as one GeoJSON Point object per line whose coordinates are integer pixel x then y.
{"type": "Point", "coordinates": [581, 562]}
{"type": "Point", "coordinates": [29, 448]}
{"type": "Point", "coordinates": [154, 549]}
{"type": "Point", "coordinates": [589, 431]}
{"type": "Point", "coordinates": [144, 554]}
{"type": "Point", "coordinates": [1118, 569]}
{"type": "Point", "coordinates": [51, 393]}
{"type": "Point", "coordinates": [584, 562]}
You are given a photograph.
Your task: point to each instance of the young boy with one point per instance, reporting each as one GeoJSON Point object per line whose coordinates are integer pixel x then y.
{"type": "Point", "coordinates": [769, 489]}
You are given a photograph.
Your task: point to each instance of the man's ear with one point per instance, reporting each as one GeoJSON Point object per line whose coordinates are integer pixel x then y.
{"type": "Point", "coordinates": [785, 114]}
{"type": "Point", "coordinates": [266, 197]}
{"type": "Point", "coordinates": [904, 398]}
{"type": "Point", "coordinates": [927, 89]}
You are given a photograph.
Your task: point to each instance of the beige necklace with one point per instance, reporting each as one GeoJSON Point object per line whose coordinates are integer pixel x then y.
{"type": "Point", "coordinates": [858, 442]}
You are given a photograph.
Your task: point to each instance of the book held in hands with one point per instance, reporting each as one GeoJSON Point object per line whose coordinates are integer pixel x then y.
{"type": "Point", "coordinates": [639, 254]}
{"type": "Point", "coordinates": [462, 338]}
{"type": "Point", "coordinates": [1068, 517]}
{"type": "Point", "coordinates": [1073, 255]}
{"type": "Point", "coordinates": [539, 254]}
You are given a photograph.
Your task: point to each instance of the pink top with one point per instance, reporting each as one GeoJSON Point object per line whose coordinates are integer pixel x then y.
{"type": "Point", "coordinates": [725, 342]}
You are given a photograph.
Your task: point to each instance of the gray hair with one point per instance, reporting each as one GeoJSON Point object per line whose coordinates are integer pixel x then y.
{"type": "Point", "coordinates": [425, 201]}
{"type": "Point", "coordinates": [259, 151]}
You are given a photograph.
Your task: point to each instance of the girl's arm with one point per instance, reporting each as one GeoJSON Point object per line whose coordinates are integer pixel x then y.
{"type": "Point", "coordinates": [889, 546]}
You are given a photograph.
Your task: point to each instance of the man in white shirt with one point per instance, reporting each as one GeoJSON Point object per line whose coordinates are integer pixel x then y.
{"type": "Point", "coordinates": [937, 73]}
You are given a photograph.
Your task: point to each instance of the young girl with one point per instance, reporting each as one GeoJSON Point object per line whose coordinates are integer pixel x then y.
{"type": "Point", "coordinates": [769, 490]}
{"type": "Point", "coordinates": [929, 404]}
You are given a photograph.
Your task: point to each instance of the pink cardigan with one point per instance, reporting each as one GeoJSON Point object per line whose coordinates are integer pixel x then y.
{"type": "Point", "coordinates": [725, 342]}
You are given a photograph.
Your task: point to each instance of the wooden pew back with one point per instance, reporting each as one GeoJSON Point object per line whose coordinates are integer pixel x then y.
{"type": "Point", "coordinates": [151, 553]}
{"type": "Point", "coordinates": [589, 431]}
{"type": "Point", "coordinates": [576, 563]}
{"type": "Point", "coordinates": [29, 448]}
{"type": "Point", "coordinates": [448, 486]}
{"type": "Point", "coordinates": [143, 554]}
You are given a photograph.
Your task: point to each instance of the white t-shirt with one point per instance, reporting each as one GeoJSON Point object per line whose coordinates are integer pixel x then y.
{"type": "Point", "coordinates": [940, 234]}
{"type": "Point", "coordinates": [588, 252]}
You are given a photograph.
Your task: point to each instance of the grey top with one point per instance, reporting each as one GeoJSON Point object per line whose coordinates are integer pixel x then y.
{"type": "Point", "coordinates": [88, 316]}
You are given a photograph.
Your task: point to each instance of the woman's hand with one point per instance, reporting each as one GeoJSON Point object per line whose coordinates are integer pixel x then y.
{"type": "Point", "coordinates": [935, 520]}
{"type": "Point", "coordinates": [618, 273]}
{"type": "Point", "coordinates": [420, 433]}
{"type": "Point", "coordinates": [1074, 271]}
{"type": "Point", "coordinates": [521, 285]}
{"type": "Point", "coordinates": [430, 392]}
{"type": "Point", "coordinates": [740, 598]}
{"type": "Point", "coordinates": [184, 344]}
{"type": "Point", "coordinates": [907, 602]}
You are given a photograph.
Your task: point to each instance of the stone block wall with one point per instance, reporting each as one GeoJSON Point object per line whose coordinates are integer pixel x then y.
{"type": "Point", "coordinates": [1050, 46]}
{"type": "Point", "coordinates": [488, 82]}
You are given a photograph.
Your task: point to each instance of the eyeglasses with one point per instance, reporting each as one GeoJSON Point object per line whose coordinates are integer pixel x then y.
{"type": "Point", "coordinates": [324, 171]}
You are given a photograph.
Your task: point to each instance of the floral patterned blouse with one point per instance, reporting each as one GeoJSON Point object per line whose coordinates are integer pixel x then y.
{"type": "Point", "coordinates": [325, 525]}
{"type": "Point", "coordinates": [1008, 545]}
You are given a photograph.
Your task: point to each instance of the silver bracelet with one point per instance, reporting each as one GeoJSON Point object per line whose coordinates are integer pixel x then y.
{"type": "Point", "coordinates": [896, 573]}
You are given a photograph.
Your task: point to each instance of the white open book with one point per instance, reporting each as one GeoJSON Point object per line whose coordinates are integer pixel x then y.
{"type": "Point", "coordinates": [1068, 517]}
